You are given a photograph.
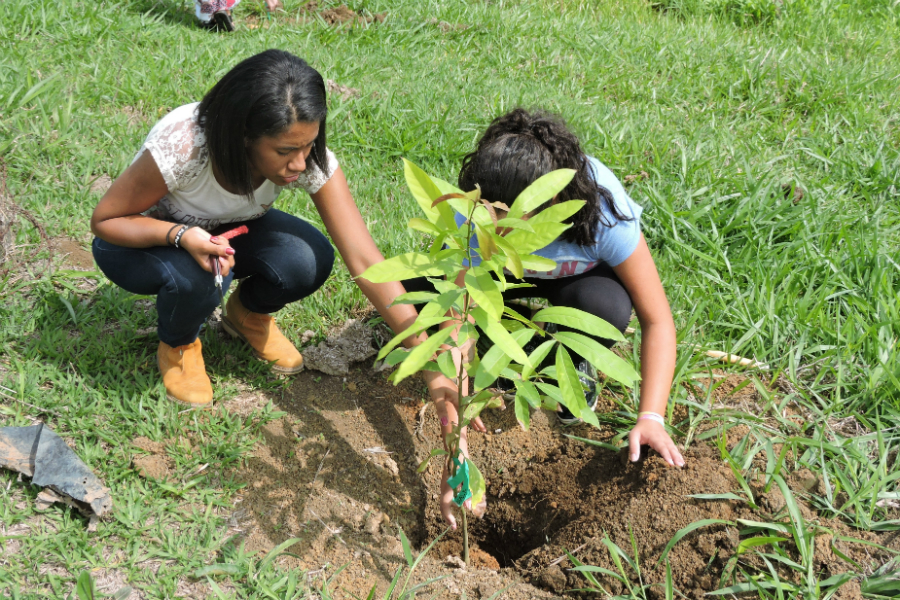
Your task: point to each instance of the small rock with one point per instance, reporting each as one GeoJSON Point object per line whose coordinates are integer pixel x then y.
{"type": "Point", "coordinates": [455, 562]}
{"type": "Point", "coordinates": [554, 505]}
{"type": "Point", "coordinates": [373, 523]}
{"type": "Point", "coordinates": [307, 335]}
{"type": "Point", "coordinates": [351, 386]}
{"type": "Point", "coordinates": [552, 578]}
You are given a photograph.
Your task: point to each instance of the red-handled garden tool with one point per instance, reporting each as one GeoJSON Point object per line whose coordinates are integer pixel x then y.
{"type": "Point", "coordinates": [230, 234]}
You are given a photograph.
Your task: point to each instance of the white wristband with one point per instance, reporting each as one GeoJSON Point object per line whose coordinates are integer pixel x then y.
{"type": "Point", "coordinates": [651, 416]}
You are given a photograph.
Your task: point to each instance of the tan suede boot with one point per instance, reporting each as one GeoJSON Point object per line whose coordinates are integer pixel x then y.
{"type": "Point", "coordinates": [261, 332]}
{"type": "Point", "coordinates": [184, 374]}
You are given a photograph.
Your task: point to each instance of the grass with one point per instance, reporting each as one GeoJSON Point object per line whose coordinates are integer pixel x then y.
{"type": "Point", "coordinates": [728, 106]}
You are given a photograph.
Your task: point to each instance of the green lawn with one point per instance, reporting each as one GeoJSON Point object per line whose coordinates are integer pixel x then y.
{"type": "Point", "coordinates": [729, 107]}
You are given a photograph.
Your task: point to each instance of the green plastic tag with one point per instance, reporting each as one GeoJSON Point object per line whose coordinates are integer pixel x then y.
{"type": "Point", "coordinates": [460, 479]}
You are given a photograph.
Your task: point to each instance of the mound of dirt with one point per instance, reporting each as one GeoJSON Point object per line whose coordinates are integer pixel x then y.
{"type": "Point", "coordinates": [350, 343]}
{"type": "Point", "coordinates": [339, 472]}
{"type": "Point", "coordinates": [345, 15]}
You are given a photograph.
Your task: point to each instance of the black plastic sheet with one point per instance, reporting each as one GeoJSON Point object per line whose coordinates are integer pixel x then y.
{"type": "Point", "coordinates": [39, 453]}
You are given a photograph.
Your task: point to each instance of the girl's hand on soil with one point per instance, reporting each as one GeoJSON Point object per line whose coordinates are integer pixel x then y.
{"type": "Point", "coordinates": [205, 249]}
{"type": "Point", "coordinates": [654, 435]}
{"type": "Point", "coordinates": [273, 5]}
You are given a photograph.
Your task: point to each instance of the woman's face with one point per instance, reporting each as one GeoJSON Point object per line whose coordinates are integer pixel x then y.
{"type": "Point", "coordinates": [281, 158]}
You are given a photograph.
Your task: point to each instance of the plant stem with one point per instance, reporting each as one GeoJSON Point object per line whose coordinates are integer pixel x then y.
{"type": "Point", "coordinates": [465, 529]}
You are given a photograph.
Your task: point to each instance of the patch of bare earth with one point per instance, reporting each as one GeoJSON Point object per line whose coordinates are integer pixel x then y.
{"type": "Point", "coordinates": [339, 473]}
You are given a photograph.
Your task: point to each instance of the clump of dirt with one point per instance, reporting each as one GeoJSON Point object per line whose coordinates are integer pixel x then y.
{"type": "Point", "coordinates": [792, 192]}
{"type": "Point", "coordinates": [343, 91]}
{"type": "Point", "coordinates": [338, 471]}
{"type": "Point", "coordinates": [345, 15]}
{"type": "Point", "coordinates": [101, 184]}
{"type": "Point", "coordinates": [352, 342]}
{"type": "Point", "coordinates": [73, 256]}
{"type": "Point", "coordinates": [157, 462]}
{"type": "Point", "coordinates": [446, 27]}
{"type": "Point", "coordinates": [629, 179]}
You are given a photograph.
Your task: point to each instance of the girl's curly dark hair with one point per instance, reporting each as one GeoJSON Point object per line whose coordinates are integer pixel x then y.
{"type": "Point", "coordinates": [521, 146]}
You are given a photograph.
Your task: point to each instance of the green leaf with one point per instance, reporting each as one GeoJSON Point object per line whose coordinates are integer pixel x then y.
{"type": "Point", "coordinates": [539, 192]}
{"type": "Point", "coordinates": [579, 320]}
{"type": "Point", "coordinates": [495, 360]}
{"type": "Point", "coordinates": [758, 541]}
{"type": "Point", "coordinates": [405, 266]}
{"type": "Point", "coordinates": [513, 261]}
{"type": "Point", "coordinates": [396, 357]}
{"type": "Point", "coordinates": [482, 400]}
{"type": "Point", "coordinates": [486, 246]}
{"type": "Point", "coordinates": [523, 410]}
{"type": "Point", "coordinates": [500, 336]}
{"type": "Point", "coordinates": [544, 233]}
{"type": "Point", "coordinates": [425, 226]}
{"type": "Point", "coordinates": [533, 262]}
{"type": "Point", "coordinates": [726, 496]}
{"type": "Point", "coordinates": [407, 551]}
{"type": "Point", "coordinates": [445, 362]}
{"type": "Point", "coordinates": [686, 530]}
{"type": "Point", "coordinates": [425, 192]}
{"type": "Point", "coordinates": [276, 551]}
{"type": "Point", "coordinates": [485, 292]}
{"type": "Point", "coordinates": [761, 525]}
{"type": "Point", "coordinates": [414, 298]}
{"type": "Point", "coordinates": [604, 359]}
{"type": "Point", "coordinates": [591, 442]}
{"type": "Point", "coordinates": [219, 569]}
{"type": "Point", "coordinates": [557, 213]}
{"type": "Point", "coordinates": [570, 386]}
{"type": "Point", "coordinates": [796, 519]}
{"type": "Point", "coordinates": [420, 355]}
{"type": "Point", "coordinates": [434, 452]}
{"type": "Point", "coordinates": [84, 587]}
{"type": "Point", "coordinates": [513, 223]}
{"type": "Point", "coordinates": [419, 325]}
{"type": "Point", "coordinates": [552, 393]}
{"type": "Point", "coordinates": [536, 357]}
{"type": "Point", "coordinates": [527, 390]}
{"type": "Point", "coordinates": [476, 483]}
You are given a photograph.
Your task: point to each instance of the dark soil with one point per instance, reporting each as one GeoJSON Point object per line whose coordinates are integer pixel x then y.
{"type": "Point", "coordinates": [338, 471]}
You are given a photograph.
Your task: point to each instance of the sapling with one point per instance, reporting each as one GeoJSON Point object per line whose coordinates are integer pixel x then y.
{"type": "Point", "coordinates": [468, 303]}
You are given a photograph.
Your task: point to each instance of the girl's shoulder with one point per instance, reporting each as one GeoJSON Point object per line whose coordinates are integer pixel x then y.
{"type": "Point", "coordinates": [604, 177]}
{"type": "Point", "coordinates": [178, 145]}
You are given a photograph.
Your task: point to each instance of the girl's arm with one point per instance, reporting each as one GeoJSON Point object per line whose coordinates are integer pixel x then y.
{"type": "Point", "coordinates": [117, 219]}
{"type": "Point", "coordinates": [346, 227]}
{"type": "Point", "coordinates": [639, 276]}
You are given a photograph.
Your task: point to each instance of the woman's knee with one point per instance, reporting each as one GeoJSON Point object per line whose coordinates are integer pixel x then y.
{"type": "Point", "coordinates": [303, 271]}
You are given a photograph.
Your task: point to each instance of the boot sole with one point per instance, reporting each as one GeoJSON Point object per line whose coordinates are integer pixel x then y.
{"type": "Point", "coordinates": [195, 406]}
{"type": "Point", "coordinates": [233, 332]}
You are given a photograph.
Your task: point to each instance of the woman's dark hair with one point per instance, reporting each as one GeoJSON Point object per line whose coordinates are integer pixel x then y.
{"type": "Point", "coordinates": [261, 96]}
{"type": "Point", "coordinates": [521, 146]}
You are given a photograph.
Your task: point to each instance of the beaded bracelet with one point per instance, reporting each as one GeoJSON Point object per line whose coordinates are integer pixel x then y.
{"type": "Point", "coordinates": [179, 234]}
{"type": "Point", "coordinates": [651, 416]}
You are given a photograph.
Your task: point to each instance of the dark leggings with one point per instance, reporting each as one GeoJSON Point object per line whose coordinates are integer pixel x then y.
{"type": "Point", "coordinates": [281, 259]}
{"type": "Point", "coordinates": [598, 292]}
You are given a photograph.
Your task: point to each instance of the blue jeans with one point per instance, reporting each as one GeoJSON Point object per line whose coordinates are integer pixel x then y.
{"type": "Point", "coordinates": [281, 259]}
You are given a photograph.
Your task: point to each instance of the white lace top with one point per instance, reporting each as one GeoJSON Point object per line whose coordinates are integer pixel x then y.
{"type": "Point", "coordinates": [178, 145]}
